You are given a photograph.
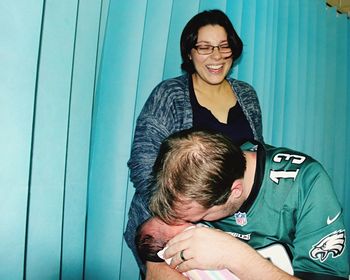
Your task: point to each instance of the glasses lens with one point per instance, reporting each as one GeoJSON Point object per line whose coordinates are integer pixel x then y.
{"type": "Point", "coordinates": [225, 49]}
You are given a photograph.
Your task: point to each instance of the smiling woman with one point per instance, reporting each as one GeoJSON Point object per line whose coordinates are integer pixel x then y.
{"type": "Point", "coordinates": [212, 59]}
{"type": "Point", "coordinates": [205, 97]}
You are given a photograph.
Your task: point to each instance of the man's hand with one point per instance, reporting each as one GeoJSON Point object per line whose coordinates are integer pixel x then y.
{"type": "Point", "coordinates": [208, 248]}
{"type": "Point", "coordinates": [161, 271]}
{"type": "Point", "coordinates": [202, 248]}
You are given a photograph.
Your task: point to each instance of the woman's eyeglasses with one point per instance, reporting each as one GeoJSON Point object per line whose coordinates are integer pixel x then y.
{"type": "Point", "coordinates": [209, 49]}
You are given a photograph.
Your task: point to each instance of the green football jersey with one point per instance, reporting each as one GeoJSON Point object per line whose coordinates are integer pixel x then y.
{"type": "Point", "coordinates": [292, 216]}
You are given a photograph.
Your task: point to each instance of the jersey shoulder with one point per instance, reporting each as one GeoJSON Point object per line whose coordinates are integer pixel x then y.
{"type": "Point", "coordinates": [293, 168]}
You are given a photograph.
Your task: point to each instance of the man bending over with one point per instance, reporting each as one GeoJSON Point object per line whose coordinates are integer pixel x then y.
{"type": "Point", "coordinates": [272, 199]}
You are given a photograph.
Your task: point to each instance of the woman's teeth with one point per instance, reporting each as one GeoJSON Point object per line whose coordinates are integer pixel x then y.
{"type": "Point", "coordinates": [214, 67]}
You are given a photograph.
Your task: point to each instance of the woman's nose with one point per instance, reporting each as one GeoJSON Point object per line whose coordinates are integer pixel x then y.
{"type": "Point", "coordinates": [216, 52]}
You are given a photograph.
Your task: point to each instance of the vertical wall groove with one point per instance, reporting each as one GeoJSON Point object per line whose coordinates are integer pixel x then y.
{"type": "Point", "coordinates": [93, 111]}
{"type": "Point", "coordinates": [32, 142]}
{"type": "Point", "coordinates": [67, 139]}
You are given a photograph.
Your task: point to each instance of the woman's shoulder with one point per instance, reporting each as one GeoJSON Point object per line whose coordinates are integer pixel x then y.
{"type": "Point", "coordinates": [176, 83]}
{"type": "Point", "coordinates": [171, 92]}
{"type": "Point", "coordinates": [243, 90]}
{"type": "Point", "coordinates": [170, 89]}
{"type": "Point", "coordinates": [240, 84]}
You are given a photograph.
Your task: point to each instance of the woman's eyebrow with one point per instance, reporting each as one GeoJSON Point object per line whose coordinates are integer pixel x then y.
{"type": "Point", "coordinates": [207, 42]}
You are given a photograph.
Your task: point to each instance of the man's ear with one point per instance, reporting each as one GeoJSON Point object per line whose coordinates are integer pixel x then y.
{"type": "Point", "coordinates": [237, 188]}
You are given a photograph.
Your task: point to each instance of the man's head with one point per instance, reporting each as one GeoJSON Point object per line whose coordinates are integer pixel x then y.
{"type": "Point", "coordinates": [194, 174]}
{"type": "Point", "coordinates": [152, 236]}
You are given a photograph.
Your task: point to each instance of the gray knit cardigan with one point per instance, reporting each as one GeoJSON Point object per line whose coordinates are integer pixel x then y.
{"type": "Point", "coordinates": [167, 110]}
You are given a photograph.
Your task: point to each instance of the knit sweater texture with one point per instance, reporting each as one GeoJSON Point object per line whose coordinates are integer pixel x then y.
{"type": "Point", "coordinates": [168, 110]}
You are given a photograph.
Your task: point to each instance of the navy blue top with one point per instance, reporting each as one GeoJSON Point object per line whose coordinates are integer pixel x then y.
{"type": "Point", "coordinates": [237, 127]}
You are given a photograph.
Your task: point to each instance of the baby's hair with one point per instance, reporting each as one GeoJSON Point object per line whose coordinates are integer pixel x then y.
{"type": "Point", "coordinates": [148, 246]}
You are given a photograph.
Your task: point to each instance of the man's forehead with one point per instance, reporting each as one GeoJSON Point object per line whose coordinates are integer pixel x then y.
{"type": "Point", "coordinates": [189, 204]}
{"type": "Point", "coordinates": [190, 211]}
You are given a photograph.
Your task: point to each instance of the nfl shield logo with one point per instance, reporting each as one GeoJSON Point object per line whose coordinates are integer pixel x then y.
{"type": "Point", "coordinates": [241, 219]}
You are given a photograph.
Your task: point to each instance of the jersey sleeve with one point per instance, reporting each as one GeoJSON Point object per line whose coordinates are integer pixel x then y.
{"type": "Point", "coordinates": [320, 235]}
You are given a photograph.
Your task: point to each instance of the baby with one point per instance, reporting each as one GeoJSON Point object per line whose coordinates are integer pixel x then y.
{"type": "Point", "coordinates": [153, 235]}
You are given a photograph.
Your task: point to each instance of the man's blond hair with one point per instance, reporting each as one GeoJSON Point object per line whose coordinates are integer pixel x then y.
{"type": "Point", "coordinates": [194, 165]}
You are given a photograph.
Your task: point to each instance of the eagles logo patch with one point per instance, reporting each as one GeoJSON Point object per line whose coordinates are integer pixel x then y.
{"type": "Point", "coordinates": [333, 244]}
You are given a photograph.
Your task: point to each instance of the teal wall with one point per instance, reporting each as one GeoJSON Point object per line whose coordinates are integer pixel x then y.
{"type": "Point", "coordinates": [75, 75]}
{"type": "Point", "coordinates": [49, 52]}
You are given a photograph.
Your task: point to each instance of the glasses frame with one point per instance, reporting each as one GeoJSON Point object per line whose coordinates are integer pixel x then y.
{"type": "Point", "coordinates": [196, 47]}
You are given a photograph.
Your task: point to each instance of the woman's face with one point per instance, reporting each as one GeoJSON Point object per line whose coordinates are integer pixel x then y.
{"type": "Point", "coordinates": [211, 68]}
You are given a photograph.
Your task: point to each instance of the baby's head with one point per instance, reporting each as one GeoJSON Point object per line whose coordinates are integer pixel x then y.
{"type": "Point", "coordinates": [153, 235]}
